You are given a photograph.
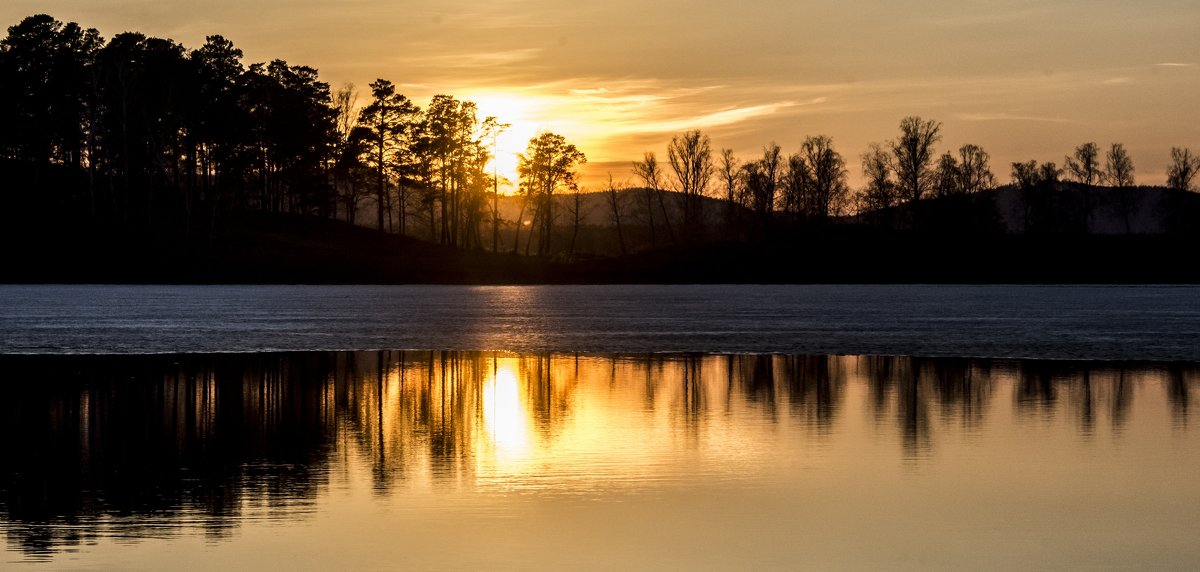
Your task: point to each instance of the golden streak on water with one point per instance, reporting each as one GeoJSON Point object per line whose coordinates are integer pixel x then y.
{"type": "Point", "coordinates": [470, 460]}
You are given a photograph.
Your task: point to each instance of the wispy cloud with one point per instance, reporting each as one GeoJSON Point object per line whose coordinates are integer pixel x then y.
{"type": "Point", "coordinates": [1175, 65]}
{"type": "Point", "coordinates": [474, 59]}
{"type": "Point", "coordinates": [708, 120]}
{"type": "Point", "coordinates": [1118, 81]}
{"type": "Point", "coordinates": [991, 116]}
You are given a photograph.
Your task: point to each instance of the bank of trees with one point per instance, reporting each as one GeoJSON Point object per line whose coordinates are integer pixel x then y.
{"type": "Point", "coordinates": [142, 131]}
{"type": "Point", "coordinates": [808, 186]}
{"type": "Point", "coordinates": [139, 129]}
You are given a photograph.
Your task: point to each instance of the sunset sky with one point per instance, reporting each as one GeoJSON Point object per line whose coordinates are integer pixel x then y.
{"type": "Point", "coordinates": [1025, 79]}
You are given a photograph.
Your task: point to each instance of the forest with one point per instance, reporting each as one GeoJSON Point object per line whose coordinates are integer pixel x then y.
{"type": "Point", "coordinates": [137, 139]}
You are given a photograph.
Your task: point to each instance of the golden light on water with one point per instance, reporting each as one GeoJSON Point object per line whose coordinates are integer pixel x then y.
{"type": "Point", "coordinates": [504, 417]}
{"type": "Point", "coordinates": [488, 460]}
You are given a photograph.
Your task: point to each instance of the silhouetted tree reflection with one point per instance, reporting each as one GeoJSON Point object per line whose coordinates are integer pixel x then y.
{"type": "Point", "coordinates": [1097, 394]}
{"type": "Point", "coordinates": [1036, 391]}
{"type": "Point", "coordinates": [897, 392]}
{"type": "Point", "coordinates": [815, 386]}
{"type": "Point", "coordinates": [758, 379]}
{"type": "Point", "coordinates": [1179, 392]}
{"type": "Point", "coordinates": [964, 388]}
{"type": "Point", "coordinates": [161, 445]}
{"type": "Point", "coordinates": [140, 442]}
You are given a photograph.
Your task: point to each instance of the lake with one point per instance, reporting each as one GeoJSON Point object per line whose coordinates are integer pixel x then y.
{"type": "Point", "coordinates": [698, 428]}
{"type": "Point", "coordinates": [1039, 322]}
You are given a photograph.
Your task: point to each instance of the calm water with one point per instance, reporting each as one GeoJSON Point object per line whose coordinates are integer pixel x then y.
{"type": "Point", "coordinates": [151, 427]}
{"type": "Point", "coordinates": [1042, 322]}
{"type": "Point", "coordinates": [477, 460]}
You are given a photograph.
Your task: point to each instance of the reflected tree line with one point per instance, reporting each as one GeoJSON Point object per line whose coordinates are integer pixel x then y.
{"type": "Point", "coordinates": [141, 132]}
{"type": "Point", "coordinates": [150, 446]}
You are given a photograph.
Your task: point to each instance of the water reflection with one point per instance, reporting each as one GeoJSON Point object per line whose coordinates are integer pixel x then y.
{"type": "Point", "coordinates": [158, 446]}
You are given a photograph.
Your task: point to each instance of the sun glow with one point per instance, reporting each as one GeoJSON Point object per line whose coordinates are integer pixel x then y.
{"type": "Point", "coordinates": [504, 417]}
{"type": "Point", "coordinates": [521, 114]}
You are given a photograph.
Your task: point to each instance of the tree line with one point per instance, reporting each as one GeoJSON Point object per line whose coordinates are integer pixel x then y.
{"type": "Point", "coordinates": [810, 186]}
{"type": "Point", "coordinates": [139, 130]}
{"type": "Point", "coordinates": [142, 131]}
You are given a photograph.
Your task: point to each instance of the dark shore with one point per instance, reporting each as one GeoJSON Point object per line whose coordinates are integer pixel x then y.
{"type": "Point", "coordinates": [281, 249]}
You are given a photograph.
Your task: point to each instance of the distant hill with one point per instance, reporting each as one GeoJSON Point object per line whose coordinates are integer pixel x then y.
{"type": "Point", "coordinates": [596, 208]}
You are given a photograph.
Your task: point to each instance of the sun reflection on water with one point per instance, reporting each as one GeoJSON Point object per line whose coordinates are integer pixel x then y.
{"type": "Point", "coordinates": [577, 452]}
{"type": "Point", "coordinates": [503, 417]}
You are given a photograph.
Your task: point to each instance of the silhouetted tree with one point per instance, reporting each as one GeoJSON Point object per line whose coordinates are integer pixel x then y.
{"type": "Point", "coordinates": [144, 85]}
{"type": "Point", "coordinates": [613, 195]}
{"type": "Point", "coordinates": [1118, 172]}
{"type": "Point", "coordinates": [1182, 171]}
{"type": "Point", "coordinates": [388, 116]}
{"type": "Point", "coordinates": [826, 192]}
{"type": "Point", "coordinates": [651, 176]}
{"type": "Point", "coordinates": [350, 147]}
{"type": "Point", "coordinates": [491, 130]}
{"type": "Point", "coordinates": [946, 176]}
{"type": "Point", "coordinates": [1037, 184]}
{"type": "Point", "coordinates": [912, 154]}
{"type": "Point", "coordinates": [761, 179]}
{"type": "Point", "coordinates": [794, 182]}
{"type": "Point", "coordinates": [450, 137]}
{"type": "Point", "coordinates": [46, 92]}
{"type": "Point", "coordinates": [579, 210]}
{"type": "Point", "coordinates": [729, 176]}
{"type": "Point", "coordinates": [880, 193]}
{"type": "Point", "coordinates": [547, 164]}
{"type": "Point", "coordinates": [974, 170]}
{"type": "Point", "coordinates": [690, 155]}
{"type": "Point", "coordinates": [1084, 168]}
{"type": "Point", "coordinates": [295, 133]}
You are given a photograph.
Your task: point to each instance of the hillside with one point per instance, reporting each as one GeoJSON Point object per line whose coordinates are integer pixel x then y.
{"type": "Point", "coordinates": [290, 249]}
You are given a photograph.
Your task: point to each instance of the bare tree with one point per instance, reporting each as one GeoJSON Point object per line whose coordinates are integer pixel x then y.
{"type": "Point", "coordinates": [1183, 169]}
{"type": "Point", "coordinates": [913, 155]}
{"type": "Point", "coordinates": [761, 179]}
{"type": "Point", "coordinates": [613, 194]}
{"type": "Point", "coordinates": [1084, 168]}
{"type": "Point", "coordinates": [579, 210]}
{"type": "Point", "coordinates": [795, 181]}
{"type": "Point", "coordinates": [945, 182]}
{"type": "Point", "coordinates": [350, 146]}
{"type": "Point", "coordinates": [1036, 184]}
{"type": "Point", "coordinates": [690, 155]}
{"type": "Point", "coordinates": [974, 170]}
{"type": "Point", "coordinates": [1118, 172]}
{"type": "Point", "coordinates": [827, 193]}
{"type": "Point", "coordinates": [879, 194]}
{"type": "Point", "coordinates": [1118, 167]}
{"type": "Point", "coordinates": [651, 175]}
{"type": "Point", "coordinates": [729, 175]}
{"type": "Point", "coordinates": [1181, 173]}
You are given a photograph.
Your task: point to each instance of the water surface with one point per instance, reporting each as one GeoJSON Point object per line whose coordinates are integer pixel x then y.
{"type": "Point", "coordinates": [1038, 322]}
{"type": "Point", "coordinates": [480, 460]}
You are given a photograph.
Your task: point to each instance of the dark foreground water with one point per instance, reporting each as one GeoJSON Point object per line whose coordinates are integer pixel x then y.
{"type": "Point", "coordinates": [481, 461]}
{"type": "Point", "coordinates": [1042, 322]}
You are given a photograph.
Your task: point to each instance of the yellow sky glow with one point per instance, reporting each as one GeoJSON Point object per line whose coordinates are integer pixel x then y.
{"type": "Point", "coordinates": [1025, 79]}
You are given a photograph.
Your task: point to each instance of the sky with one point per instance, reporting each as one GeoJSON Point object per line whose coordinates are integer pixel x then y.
{"type": "Point", "coordinates": [1024, 79]}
